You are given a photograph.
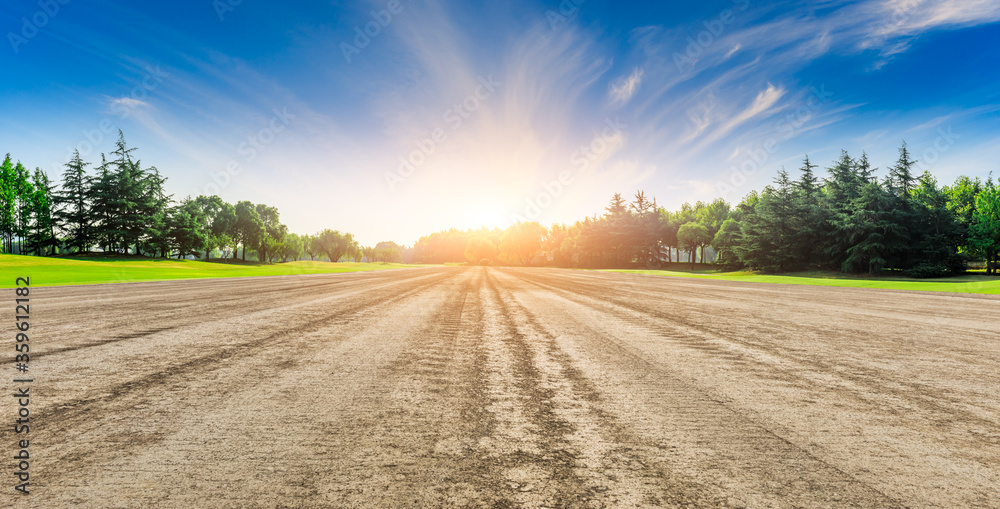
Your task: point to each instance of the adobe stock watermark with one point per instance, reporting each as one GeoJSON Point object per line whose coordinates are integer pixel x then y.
{"type": "Point", "coordinates": [248, 149]}
{"type": "Point", "coordinates": [932, 154]}
{"type": "Point", "coordinates": [47, 9]}
{"type": "Point", "coordinates": [122, 107]}
{"type": "Point", "coordinates": [700, 43]}
{"type": "Point", "coordinates": [363, 36]}
{"type": "Point", "coordinates": [568, 9]}
{"type": "Point", "coordinates": [785, 129]}
{"type": "Point", "coordinates": [580, 159]}
{"type": "Point", "coordinates": [224, 7]}
{"type": "Point", "coordinates": [453, 118]}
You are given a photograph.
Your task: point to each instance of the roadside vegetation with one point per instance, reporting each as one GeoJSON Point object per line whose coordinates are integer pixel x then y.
{"type": "Point", "coordinates": [98, 269]}
{"type": "Point", "coordinates": [122, 208]}
{"type": "Point", "coordinates": [969, 283]}
{"type": "Point", "coordinates": [852, 221]}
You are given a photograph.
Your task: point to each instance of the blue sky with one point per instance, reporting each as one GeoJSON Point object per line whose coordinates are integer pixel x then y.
{"type": "Point", "coordinates": [484, 112]}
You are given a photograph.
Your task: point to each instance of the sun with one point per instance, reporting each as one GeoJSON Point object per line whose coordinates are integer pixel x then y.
{"type": "Point", "coordinates": [489, 216]}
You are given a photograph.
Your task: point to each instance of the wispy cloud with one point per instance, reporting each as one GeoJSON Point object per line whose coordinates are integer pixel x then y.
{"type": "Point", "coordinates": [736, 47]}
{"type": "Point", "coordinates": [126, 102]}
{"type": "Point", "coordinates": [623, 89]}
{"type": "Point", "coordinates": [687, 124]}
{"type": "Point", "coordinates": [764, 101]}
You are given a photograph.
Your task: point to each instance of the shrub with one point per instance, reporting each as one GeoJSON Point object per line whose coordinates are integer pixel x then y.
{"type": "Point", "coordinates": [929, 270]}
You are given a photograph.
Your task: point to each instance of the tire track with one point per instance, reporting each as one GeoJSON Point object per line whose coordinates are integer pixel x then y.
{"type": "Point", "coordinates": [631, 317]}
{"type": "Point", "coordinates": [613, 465]}
{"type": "Point", "coordinates": [121, 398]}
{"type": "Point", "coordinates": [739, 348]}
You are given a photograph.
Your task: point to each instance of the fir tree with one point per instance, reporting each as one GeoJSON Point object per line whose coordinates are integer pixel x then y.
{"type": "Point", "coordinates": [73, 214]}
{"type": "Point", "coordinates": [872, 232]}
{"type": "Point", "coordinates": [901, 174]}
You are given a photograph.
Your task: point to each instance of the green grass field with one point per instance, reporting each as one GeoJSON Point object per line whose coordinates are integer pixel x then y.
{"type": "Point", "coordinates": [61, 271]}
{"type": "Point", "coordinates": [959, 284]}
{"type": "Point", "coordinates": [97, 269]}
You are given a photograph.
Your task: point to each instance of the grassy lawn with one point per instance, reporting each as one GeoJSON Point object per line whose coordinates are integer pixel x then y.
{"type": "Point", "coordinates": [96, 269]}
{"type": "Point", "coordinates": [959, 284]}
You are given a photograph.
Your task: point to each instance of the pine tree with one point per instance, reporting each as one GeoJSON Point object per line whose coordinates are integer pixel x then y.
{"type": "Point", "coordinates": [901, 174]}
{"type": "Point", "coordinates": [872, 231]}
{"type": "Point", "coordinates": [153, 209]}
{"type": "Point", "coordinates": [807, 183]}
{"type": "Point", "coordinates": [844, 183]}
{"type": "Point", "coordinates": [130, 203]}
{"type": "Point", "coordinates": [865, 171]}
{"type": "Point", "coordinates": [767, 232]}
{"type": "Point", "coordinates": [73, 214]}
{"type": "Point", "coordinates": [808, 216]}
{"type": "Point", "coordinates": [843, 187]}
{"type": "Point", "coordinates": [102, 197]}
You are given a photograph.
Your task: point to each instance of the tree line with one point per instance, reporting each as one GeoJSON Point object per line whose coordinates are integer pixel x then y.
{"type": "Point", "coordinates": [849, 220]}
{"type": "Point", "coordinates": [122, 208]}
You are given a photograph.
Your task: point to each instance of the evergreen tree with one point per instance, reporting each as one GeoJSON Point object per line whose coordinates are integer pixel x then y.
{"type": "Point", "coordinates": [901, 178]}
{"type": "Point", "coordinates": [872, 231]}
{"type": "Point", "coordinates": [102, 197]}
{"type": "Point", "coordinates": [808, 216]}
{"type": "Point", "coordinates": [767, 232]}
{"type": "Point", "coordinates": [843, 185]}
{"type": "Point", "coordinates": [73, 214]}
{"type": "Point", "coordinates": [154, 212]}
{"type": "Point", "coordinates": [865, 171]}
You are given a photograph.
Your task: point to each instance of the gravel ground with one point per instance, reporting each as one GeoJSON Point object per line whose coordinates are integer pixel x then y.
{"type": "Point", "coordinates": [456, 386]}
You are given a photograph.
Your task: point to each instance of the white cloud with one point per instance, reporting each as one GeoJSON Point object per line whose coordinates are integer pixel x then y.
{"type": "Point", "coordinates": [128, 102]}
{"type": "Point", "coordinates": [763, 102]}
{"type": "Point", "coordinates": [623, 89]}
{"type": "Point", "coordinates": [761, 105]}
{"type": "Point", "coordinates": [911, 17]}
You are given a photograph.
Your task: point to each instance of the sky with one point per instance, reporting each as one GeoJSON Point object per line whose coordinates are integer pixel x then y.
{"type": "Point", "coordinates": [392, 119]}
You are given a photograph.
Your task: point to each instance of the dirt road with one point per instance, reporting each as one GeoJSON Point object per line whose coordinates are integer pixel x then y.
{"type": "Point", "coordinates": [508, 387]}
